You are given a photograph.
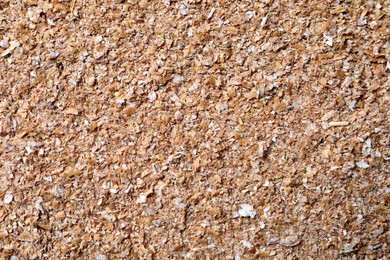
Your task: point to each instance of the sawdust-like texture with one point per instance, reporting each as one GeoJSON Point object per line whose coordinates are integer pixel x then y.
{"type": "Point", "coordinates": [194, 129]}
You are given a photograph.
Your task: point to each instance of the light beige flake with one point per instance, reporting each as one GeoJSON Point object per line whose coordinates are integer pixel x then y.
{"type": "Point", "coordinates": [290, 241]}
{"type": "Point", "coordinates": [11, 48]}
{"type": "Point", "coordinates": [71, 111]}
{"type": "Point", "coordinates": [339, 123]}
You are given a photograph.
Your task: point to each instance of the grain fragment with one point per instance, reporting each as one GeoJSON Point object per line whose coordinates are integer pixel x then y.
{"type": "Point", "coordinates": [101, 257]}
{"type": "Point", "coordinates": [72, 5]}
{"type": "Point", "coordinates": [183, 9]}
{"type": "Point", "coordinates": [263, 148]}
{"type": "Point", "coordinates": [3, 235]}
{"type": "Point", "coordinates": [142, 198]}
{"type": "Point", "coordinates": [152, 96]}
{"type": "Point", "coordinates": [350, 247]}
{"type": "Point", "coordinates": [91, 81]}
{"type": "Point", "coordinates": [53, 55]}
{"type": "Point", "coordinates": [211, 13]}
{"type": "Point", "coordinates": [363, 165]}
{"type": "Point", "coordinates": [11, 47]}
{"type": "Point", "coordinates": [328, 39]}
{"type": "Point", "coordinates": [72, 172]}
{"type": "Point", "coordinates": [290, 241]}
{"type": "Point", "coordinates": [261, 225]}
{"type": "Point", "coordinates": [60, 215]}
{"type": "Point", "coordinates": [247, 211]}
{"type": "Point", "coordinates": [8, 198]}
{"type": "Point", "coordinates": [71, 111]}
{"type": "Point", "coordinates": [338, 123]}
{"type": "Point", "coordinates": [25, 236]}
{"type": "Point", "coordinates": [4, 43]}
{"type": "Point", "coordinates": [375, 246]}
{"type": "Point", "coordinates": [246, 244]}
{"type": "Point", "coordinates": [263, 21]}
{"type": "Point", "coordinates": [212, 81]}
{"type": "Point", "coordinates": [130, 110]}
{"type": "Point", "coordinates": [273, 241]}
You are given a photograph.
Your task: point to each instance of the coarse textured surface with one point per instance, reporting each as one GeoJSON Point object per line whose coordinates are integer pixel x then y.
{"type": "Point", "coordinates": [194, 129]}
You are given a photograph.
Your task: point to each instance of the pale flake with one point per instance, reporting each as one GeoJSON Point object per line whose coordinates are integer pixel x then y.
{"type": "Point", "coordinates": [246, 244]}
{"type": "Point", "coordinates": [48, 178]}
{"type": "Point", "coordinates": [178, 78]}
{"type": "Point", "coordinates": [328, 39]}
{"type": "Point", "coordinates": [72, 82]}
{"type": "Point", "coordinates": [263, 21]}
{"type": "Point", "coordinates": [183, 10]}
{"type": "Point", "coordinates": [262, 225]}
{"type": "Point", "coordinates": [101, 257]}
{"type": "Point", "coordinates": [141, 198]}
{"type": "Point", "coordinates": [250, 14]}
{"type": "Point", "coordinates": [351, 105]}
{"type": "Point", "coordinates": [152, 96]}
{"type": "Point", "coordinates": [366, 150]}
{"type": "Point", "coordinates": [190, 32]}
{"type": "Point", "coordinates": [113, 191]}
{"type": "Point", "coordinates": [363, 165]}
{"type": "Point", "coordinates": [211, 13]}
{"type": "Point", "coordinates": [4, 43]}
{"type": "Point", "coordinates": [29, 150]}
{"type": "Point", "coordinates": [247, 211]}
{"type": "Point", "coordinates": [8, 198]}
